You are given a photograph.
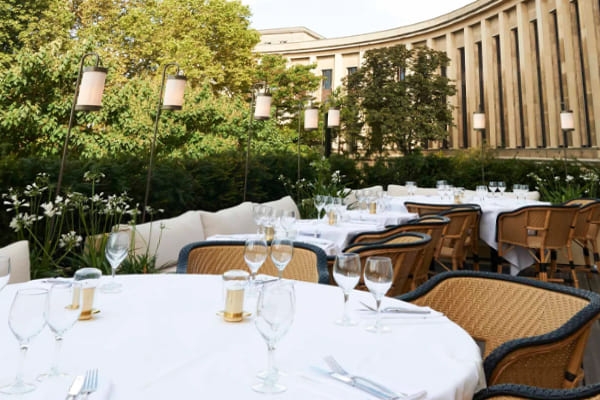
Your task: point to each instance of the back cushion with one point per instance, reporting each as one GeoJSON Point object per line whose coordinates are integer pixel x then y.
{"type": "Point", "coordinates": [236, 219]}
{"type": "Point", "coordinates": [397, 190]}
{"type": "Point", "coordinates": [18, 253]}
{"type": "Point", "coordinates": [285, 203]}
{"type": "Point", "coordinates": [178, 231]}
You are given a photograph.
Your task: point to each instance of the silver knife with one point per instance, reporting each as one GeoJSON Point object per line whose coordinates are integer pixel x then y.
{"type": "Point", "coordinates": [75, 388]}
{"type": "Point", "coordinates": [349, 381]}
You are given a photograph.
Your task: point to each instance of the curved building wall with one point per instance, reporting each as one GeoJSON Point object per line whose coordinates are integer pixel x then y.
{"type": "Point", "coordinates": [518, 59]}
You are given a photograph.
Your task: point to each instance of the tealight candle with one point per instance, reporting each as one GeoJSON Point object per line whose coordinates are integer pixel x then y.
{"type": "Point", "coordinates": [234, 284]}
{"type": "Point", "coordinates": [373, 208]}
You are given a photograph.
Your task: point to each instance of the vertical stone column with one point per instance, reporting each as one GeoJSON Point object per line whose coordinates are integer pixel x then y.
{"type": "Point", "coordinates": [471, 86]}
{"type": "Point", "coordinates": [591, 48]}
{"type": "Point", "coordinates": [452, 73]}
{"type": "Point", "coordinates": [508, 79]}
{"type": "Point", "coordinates": [527, 66]}
{"type": "Point", "coordinates": [489, 84]}
{"type": "Point", "coordinates": [338, 70]}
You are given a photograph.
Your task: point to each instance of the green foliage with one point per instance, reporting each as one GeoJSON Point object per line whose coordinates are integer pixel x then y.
{"type": "Point", "coordinates": [400, 95]}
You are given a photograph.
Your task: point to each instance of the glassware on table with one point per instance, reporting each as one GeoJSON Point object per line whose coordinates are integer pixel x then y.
{"type": "Point", "coordinates": [268, 222]}
{"type": "Point", "coordinates": [378, 278]}
{"type": "Point", "coordinates": [4, 271]}
{"type": "Point", "coordinates": [26, 320]}
{"type": "Point", "coordinates": [116, 250]}
{"type": "Point", "coordinates": [441, 188]}
{"type": "Point", "coordinates": [255, 254]}
{"type": "Point", "coordinates": [361, 200]}
{"type": "Point", "coordinates": [287, 219]}
{"type": "Point", "coordinates": [282, 251]}
{"type": "Point", "coordinates": [459, 194]}
{"type": "Point", "coordinates": [411, 188]}
{"type": "Point", "coordinates": [319, 201]}
{"type": "Point", "coordinates": [257, 216]}
{"type": "Point", "coordinates": [234, 285]}
{"type": "Point", "coordinates": [274, 316]}
{"type": "Point", "coordinates": [502, 188]}
{"type": "Point", "coordinates": [493, 186]}
{"type": "Point", "coordinates": [482, 192]}
{"type": "Point", "coordinates": [346, 273]}
{"type": "Point", "coordinates": [89, 279]}
{"type": "Point", "coordinates": [63, 309]}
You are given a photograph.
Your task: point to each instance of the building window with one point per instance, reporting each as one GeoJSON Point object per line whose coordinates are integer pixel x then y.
{"type": "Point", "coordinates": [588, 133]}
{"type": "Point", "coordinates": [352, 70]}
{"type": "Point", "coordinates": [327, 77]}
{"type": "Point", "coordinates": [500, 91]}
{"type": "Point", "coordinates": [538, 68]}
{"type": "Point", "coordinates": [401, 73]}
{"type": "Point", "coordinates": [463, 98]}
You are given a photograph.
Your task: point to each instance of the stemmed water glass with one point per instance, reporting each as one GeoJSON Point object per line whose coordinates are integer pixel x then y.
{"type": "Point", "coordinates": [441, 188]}
{"type": "Point", "coordinates": [346, 272]}
{"type": "Point", "coordinates": [63, 308]}
{"type": "Point", "coordinates": [319, 201]}
{"type": "Point", "coordinates": [411, 188]}
{"type": "Point", "coordinates": [281, 254]}
{"type": "Point", "coordinates": [257, 216]}
{"type": "Point", "coordinates": [274, 316]}
{"type": "Point", "coordinates": [287, 219]}
{"type": "Point", "coordinates": [493, 185]}
{"type": "Point", "coordinates": [26, 320]}
{"type": "Point", "coordinates": [4, 271]}
{"type": "Point", "coordinates": [481, 191]}
{"type": "Point", "coordinates": [255, 254]}
{"type": "Point", "coordinates": [502, 188]}
{"type": "Point", "coordinates": [378, 278]}
{"type": "Point", "coordinates": [116, 251]}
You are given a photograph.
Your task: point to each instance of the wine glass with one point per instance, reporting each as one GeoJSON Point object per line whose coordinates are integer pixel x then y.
{"type": "Point", "coordinates": [26, 320]}
{"type": "Point", "coordinates": [481, 191]}
{"type": "Point", "coordinates": [4, 271]}
{"type": "Point", "coordinates": [63, 308]}
{"type": "Point", "coordinates": [255, 254]}
{"type": "Point", "coordinates": [116, 251]}
{"type": "Point", "coordinates": [288, 219]}
{"type": "Point", "coordinates": [441, 188]}
{"type": "Point", "coordinates": [502, 188]}
{"type": "Point", "coordinates": [493, 185]}
{"type": "Point", "coordinates": [274, 316]}
{"type": "Point", "coordinates": [319, 201]}
{"type": "Point", "coordinates": [281, 254]}
{"type": "Point", "coordinates": [257, 216]}
{"type": "Point", "coordinates": [378, 278]}
{"type": "Point", "coordinates": [346, 272]}
{"type": "Point", "coordinates": [411, 188]}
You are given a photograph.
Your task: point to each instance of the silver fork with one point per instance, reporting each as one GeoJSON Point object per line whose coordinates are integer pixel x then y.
{"type": "Point", "coordinates": [398, 310]}
{"type": "Point", "coordinates": [90, 384]}
{"type": "Point", "coordinates": [336, 367]}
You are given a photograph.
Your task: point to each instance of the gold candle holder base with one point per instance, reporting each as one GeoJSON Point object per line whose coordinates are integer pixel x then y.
{"type": "Point", "coordinates": [373, 208]}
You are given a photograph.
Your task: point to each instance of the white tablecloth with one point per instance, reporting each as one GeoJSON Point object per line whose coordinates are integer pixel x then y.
{"type": "Point", "coordinates": [519, 258]}
{"type": "Point", "coordinates": [160, 339]}
{"type": "Point", "coordinates": [339, 234]}
{"type": "Point", "coordinates": [328, 246]}
{"type": "Point", "coordinates": [381, 218]}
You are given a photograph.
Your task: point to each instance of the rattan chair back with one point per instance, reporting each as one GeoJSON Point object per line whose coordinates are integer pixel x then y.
{"type": "Point", "coordinates": [406, 257]}
{"type": "Point", "coordinates": [534, 332]}
{"type": "Point", "coordinates": [457, 236]}
{"type": "Point", "coordinates": [309, 263]}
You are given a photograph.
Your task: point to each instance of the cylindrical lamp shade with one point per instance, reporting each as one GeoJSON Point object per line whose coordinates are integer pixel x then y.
{"type": "Point", "coordinates": [263, 107]}
{"type": "Point", "coordinates": [567, 123]}
{"type": "Point", "coordinates": [311, 119]}
{"type": "Point", "coordinates": [333, 118]}
{"type": "Point", "coordinates": [91, 89]}
{"type": "Point", "coordinates": [478, 120]}
{"type": "Point", "coordinates": [174, 90]}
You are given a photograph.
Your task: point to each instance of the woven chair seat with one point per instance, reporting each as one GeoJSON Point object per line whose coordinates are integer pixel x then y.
{"type": "Point", "coordinates": [534, 332]}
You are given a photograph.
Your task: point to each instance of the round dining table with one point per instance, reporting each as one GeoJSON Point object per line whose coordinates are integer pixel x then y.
{"type": "Point", "coordinates": [162, 338]}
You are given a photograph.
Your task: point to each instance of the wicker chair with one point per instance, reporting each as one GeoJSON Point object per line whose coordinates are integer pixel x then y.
{"type": "Point", "coordinates": [534, 332]}
{"type": "Point", "coordinates": [406, 251]}
{"type": "Point", "coordinates": [309, 263]}
{"type": "Point", "coordinates": [541, 229]}
{"type": "Point", "coordinates": [458, 237]}
{"type": "Point", "coordinates": [473, 237]}
{"type": "Point", "coordinates": [423, 225]}
{"type": "Point", "coordinates": [515, 392]}
{"type": "Point", "coordinates": [585, 234]}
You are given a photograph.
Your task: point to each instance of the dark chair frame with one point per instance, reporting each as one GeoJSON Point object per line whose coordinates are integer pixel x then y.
{"type": "Point", "coordinates": [535, 393]}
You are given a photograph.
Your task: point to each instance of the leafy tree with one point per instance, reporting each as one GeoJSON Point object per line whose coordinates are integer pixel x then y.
{"type": "Point", "coordinates": [401, 97]}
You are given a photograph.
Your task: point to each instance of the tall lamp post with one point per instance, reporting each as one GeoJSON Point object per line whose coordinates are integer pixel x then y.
{"type": "Point", "coordinates": [311, 123]}
{"type": "Point", "coordinates": [567, 124]}
{"type": "Point", "coordinates": [262, 112]}
{"type": "Point", "coordinates": [332, 118]}
{"type": "Point", "coordinates": [173, 100]}
{"type": "Point", "coordinates": [479, 125]}
{"type": "Point", "coordinates": [88, 97]}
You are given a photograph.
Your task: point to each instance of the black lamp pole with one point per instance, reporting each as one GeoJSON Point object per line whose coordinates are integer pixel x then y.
{"type": "Point", "coordinates": [74, 108]}
{"type": "Point", "coordinates": [255, 87]}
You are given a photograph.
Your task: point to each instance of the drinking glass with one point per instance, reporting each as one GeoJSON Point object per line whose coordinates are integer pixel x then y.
{"type": "Point", "coordinates": [493, 186]}
{"type": "Point", "coordinates": [378, 278]}
{"type": "Point", "coordinates": [319, 201]}
{"type": "Point", "coordinates": [4, 271]}
{"type": "Point", "coordinates": [346, 272]}
{"type": "Point", "coordinates": [501, 188]}
{"type": "Point", "coordinates": [274, 316]}
{"type": "Point", "coordinates": [26, 320]}
{"type": "Point", "coordinates": [411, 188]}
{"type": "Point", "coordinates": [281, 253]}
{"type": "Point", "coordinates": [524, 191]}
{"type": "Point", "coordinates": [255, 254]}
{"type": "Point", "coordinates": [360, 198]}
{"type": "Point", "coordinates": [481, 191]}
{"type": "Point", "coordinates": [116, 251]}
{"type": "Point", "coordinates": [257, 216]}
{"type": "Point", "coordinates": [268, 221]}
{"type": "Point", "coordinates": [441, 187]}
{"type": "Point", "coordinates": [63, 308]}
{"type": "Point", "coordinates": [287, 219]}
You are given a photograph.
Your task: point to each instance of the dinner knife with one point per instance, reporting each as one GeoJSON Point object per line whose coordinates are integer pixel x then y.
{"type": "Point", "coordinates": [349, 381]}
{"type": "Point", "coordinates": [75, 388]}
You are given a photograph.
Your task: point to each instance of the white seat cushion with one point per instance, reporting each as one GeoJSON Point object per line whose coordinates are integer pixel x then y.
{"type": "Point", "coordinates": [178, 231]}
{"type": "Point", "coordinates": [285, 203]}
{"type": "Point", "coordinates": [236, 219]}
{"type": "Point", "coordinates": [18, 252]}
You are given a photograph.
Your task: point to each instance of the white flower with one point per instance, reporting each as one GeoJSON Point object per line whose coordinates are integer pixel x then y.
{"type": "Point", "coordinates": [49, 209]}
{"type": "Point", "coordinates": [557, 178]}
{"type": "Point", "coordinates": [70, 240]}
{"type": "Point", "coordinates": [569, 178]}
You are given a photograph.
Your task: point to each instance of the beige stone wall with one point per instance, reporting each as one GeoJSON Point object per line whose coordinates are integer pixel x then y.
{"type": "Point", "coordinates": [530, 56]}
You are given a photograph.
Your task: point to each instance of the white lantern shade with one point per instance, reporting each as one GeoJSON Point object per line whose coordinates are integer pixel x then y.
{"type": "Point", "coordinates": [478, 120]}
{"type": "Point", "coordinates": [311, 119]}
{"type": "Point", "coordinates": [333, 118]}
{"type": "Point", "coordinates": [174, 90]}
{"type": "Point", "coordinates": [91, 89]}
{"type": "Point", "coordinates": [567, 123]}
{"type": "Point", "coordinates": [263, 107]}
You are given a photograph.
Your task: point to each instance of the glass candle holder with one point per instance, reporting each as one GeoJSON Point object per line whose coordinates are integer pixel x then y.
{"type": "Point", "coordinates": [235, 282]}
{"type": "Point", "coordinates": [89, 279]}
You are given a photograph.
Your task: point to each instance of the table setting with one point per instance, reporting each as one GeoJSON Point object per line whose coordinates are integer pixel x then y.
{"type": "Point", "coordinates": [183, 336]}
